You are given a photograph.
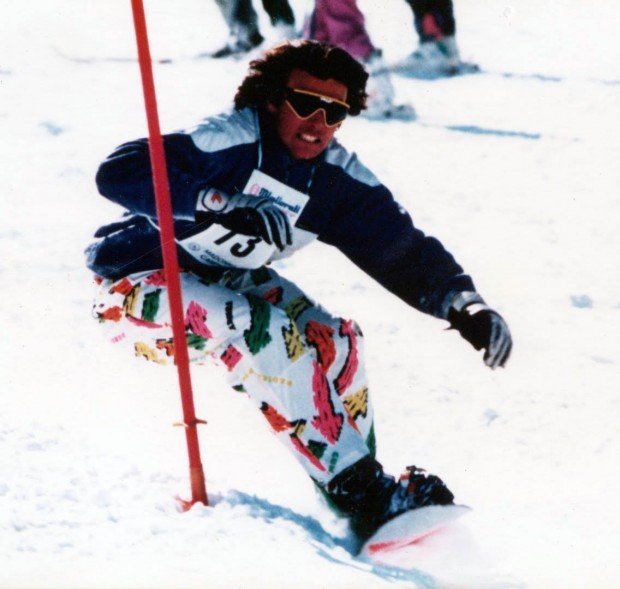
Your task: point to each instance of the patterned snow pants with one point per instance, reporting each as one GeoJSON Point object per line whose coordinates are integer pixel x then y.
{"type": "Point", "coordinates": [300, 365]}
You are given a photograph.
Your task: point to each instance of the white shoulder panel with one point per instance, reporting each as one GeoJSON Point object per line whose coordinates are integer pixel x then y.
{"type": "Point", "coordinates": [339, 156]}
{"type": "Point", "coordinates": [225, 130]}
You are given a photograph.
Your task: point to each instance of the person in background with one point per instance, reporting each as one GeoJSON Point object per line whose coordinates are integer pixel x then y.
{"type": "Point", "coordinates": [242, 21]}
{"type": "Point", "coordinates": [341, 23]}
{"type": "Point", "coordinates": [252, 186]}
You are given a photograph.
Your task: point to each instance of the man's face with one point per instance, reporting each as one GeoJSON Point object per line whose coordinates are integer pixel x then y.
{"type": "Point", "coordinates": [306, 138]}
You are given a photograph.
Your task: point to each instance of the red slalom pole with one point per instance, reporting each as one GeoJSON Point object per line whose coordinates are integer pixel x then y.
{"type": "Point", "coordinates": [171, 264]}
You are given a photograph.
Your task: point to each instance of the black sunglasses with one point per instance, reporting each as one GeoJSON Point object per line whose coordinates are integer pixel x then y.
{"type": "Point", "coordinates": [305, 103]}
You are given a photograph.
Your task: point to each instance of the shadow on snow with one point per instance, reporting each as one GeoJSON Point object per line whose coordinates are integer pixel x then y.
{"type": "Point", "coordinates": [341, 551]}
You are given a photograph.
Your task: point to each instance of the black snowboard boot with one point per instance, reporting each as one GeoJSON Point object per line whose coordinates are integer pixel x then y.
{"type": "Point", "coordinates": [369, 497]}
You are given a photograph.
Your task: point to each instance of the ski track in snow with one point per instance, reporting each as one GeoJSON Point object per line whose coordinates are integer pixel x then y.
{"type": "Point", "coordinates": [514, 169]}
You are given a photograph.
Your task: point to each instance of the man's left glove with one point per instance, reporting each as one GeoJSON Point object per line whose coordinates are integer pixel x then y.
{"type": "Point", "coordinates": [245, 214]}
{"type": "Point", "coordinates": [482, 327]}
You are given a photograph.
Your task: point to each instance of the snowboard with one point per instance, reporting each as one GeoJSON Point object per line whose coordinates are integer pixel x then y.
{"type": "Point", "coordinates": [410, 527]}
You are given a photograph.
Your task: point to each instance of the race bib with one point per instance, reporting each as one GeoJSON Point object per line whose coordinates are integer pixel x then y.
{"type": "Point", "coordinates": [219, 246]}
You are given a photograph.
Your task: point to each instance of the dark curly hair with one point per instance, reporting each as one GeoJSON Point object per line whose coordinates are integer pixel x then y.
{"type": "Point", "coordinates": [268, 76]}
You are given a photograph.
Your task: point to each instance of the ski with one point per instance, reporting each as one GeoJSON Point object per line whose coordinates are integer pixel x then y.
{"type": "Point", "coordinates": [395, 112]}
{"type": "Point", "coordinates": [420, 72]}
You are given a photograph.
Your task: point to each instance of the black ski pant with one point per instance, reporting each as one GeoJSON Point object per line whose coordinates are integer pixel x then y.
{"type": "Point", "coordinates": [242, 19]}
{"type": "Point", "coordinates": [433, 19]}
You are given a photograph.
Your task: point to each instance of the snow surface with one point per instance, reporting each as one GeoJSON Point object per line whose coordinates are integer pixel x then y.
{"type": "Point", "coordinates": [513, 169]}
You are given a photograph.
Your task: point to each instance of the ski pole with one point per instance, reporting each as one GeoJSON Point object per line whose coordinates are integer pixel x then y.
{"type": "Point", "coordinates": [171, 265]}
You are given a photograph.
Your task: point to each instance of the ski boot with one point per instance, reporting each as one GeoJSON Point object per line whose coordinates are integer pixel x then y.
{"type": "Point", "coordinates": [284, 32]}
{"type": "Point", "coordinates": [380, 103]}
{"type": "Point", "coordinates": [435, 59]}
{"type": "Point", "coordinates": [236, 46]}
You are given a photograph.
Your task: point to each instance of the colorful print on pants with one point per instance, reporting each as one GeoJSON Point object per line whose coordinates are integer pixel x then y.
{"type": "Point", "coordinates": [301, 366]}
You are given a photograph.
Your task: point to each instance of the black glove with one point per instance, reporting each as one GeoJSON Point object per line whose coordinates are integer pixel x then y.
{"type": "Point", "coordinates": [482, 327]}
{"type": "Point", "coordinates": [248, 215]}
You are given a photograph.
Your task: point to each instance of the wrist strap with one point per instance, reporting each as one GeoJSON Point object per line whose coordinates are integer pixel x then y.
{"type": "Point", "coordinates": [463, 299]}
{"type": "Point", "coordinates": [474, 308]}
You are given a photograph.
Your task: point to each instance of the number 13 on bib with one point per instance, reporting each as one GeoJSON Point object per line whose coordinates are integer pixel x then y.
{"type": "Point", "coordinates": [219, 246]}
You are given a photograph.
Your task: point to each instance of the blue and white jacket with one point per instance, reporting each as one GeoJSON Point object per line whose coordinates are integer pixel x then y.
{"type": "Point", "coordinates": [348, 207]}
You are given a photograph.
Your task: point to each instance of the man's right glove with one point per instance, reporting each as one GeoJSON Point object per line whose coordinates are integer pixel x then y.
{"type": "Point", "coordinates": [248, 215]}
{"type": "Point", "coordinates": [482, 327]}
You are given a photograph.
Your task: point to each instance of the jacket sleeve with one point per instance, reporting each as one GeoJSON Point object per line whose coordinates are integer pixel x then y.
{"type": "Point", "coordinates": [125, 176]}
{"type": "Point", "coordinates": [379, 236]}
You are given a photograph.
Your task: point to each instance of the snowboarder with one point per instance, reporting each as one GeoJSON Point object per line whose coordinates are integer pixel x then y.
{"type": "Point", "coordinates": [249, 187]}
